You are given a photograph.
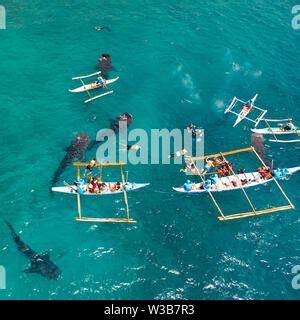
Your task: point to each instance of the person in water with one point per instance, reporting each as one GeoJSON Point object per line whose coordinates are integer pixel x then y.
{"type": "Point", "coordinates": [180, 153]}
{"type": "Point", "coordinates": [100, 28]}
{"type": "Point", "coordinates": [90, 167]}
{"type": "Point", "coordinates": [133, 147]}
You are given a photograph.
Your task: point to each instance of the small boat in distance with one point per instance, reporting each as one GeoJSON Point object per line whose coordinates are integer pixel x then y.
{"type": "Point", "coordinates": [247, 107]}
{"type": "Point", "coordinates": [100, 82]}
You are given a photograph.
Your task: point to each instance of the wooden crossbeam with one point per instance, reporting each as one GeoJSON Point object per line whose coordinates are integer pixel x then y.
{"type": "Point", "coordinates": [241, 186]}
{"type": "Point", "coordinates": [219, 154]}
{"type": "Point", "coordinates": [99, 164]}
{"type": "Point", "coordinates": [210, 194]}
{"type": "Point", "coordinates": [277, 183]}
{"type": "Point", "coordinates": [124, 192]}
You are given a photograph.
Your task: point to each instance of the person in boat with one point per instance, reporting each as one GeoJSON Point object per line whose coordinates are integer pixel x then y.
{"type": "Point", "coordinates": [249, 105]}
{"type": "Point", "coordinates": [180, 153]}
{"type": "Point", "coordinates": [289, 126]}
{"type": "Point", "coordinates": [188, 185]}
{"type": "Point", "coordinates": [241, 171]}
{"type": "Point", "coordinates": [101, 82]}
{"type": "Point", "coordinates": [90, 185]}
{"type": "Point", "coordinates": [208, 166]}
{"type": "Point", "coordinates": [118, 186]}
{"type": "Point", "coordinates": [265, 172]}
{"type": "Point", "coordinates": [217, 162]}
{"type": "Point", "coordinates": [90, 167]}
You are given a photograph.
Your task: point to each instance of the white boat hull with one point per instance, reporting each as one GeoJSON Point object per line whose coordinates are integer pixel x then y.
{"type": "Point", "coordinates": [92, 86]}
{"type": "Point", "coordinates": [226, 183]}
{"type": "Point", "coordinates": [72, 189]}
{"type": "Point", "coordinates": [275, 130]}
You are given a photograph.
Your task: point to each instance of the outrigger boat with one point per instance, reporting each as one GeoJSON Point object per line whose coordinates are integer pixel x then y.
{"type": "Point", "coordinates": [288, 129]}
{"type": "Point", "coordinates": [236, 181]}
{"type": "Point", "coordinates": [248, 106]}
{"type": "Point", "coordinates": [81, 188]}
{"type": "Point", "coordinates": [94, 85]}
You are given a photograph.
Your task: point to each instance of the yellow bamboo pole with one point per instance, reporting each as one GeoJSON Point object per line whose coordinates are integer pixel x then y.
{"type": "Point", "coordinates": [219, 154]}
{"type": "Point", "coordinates": [277, 183]}
{"type": "Point", "coordinates": [242, 188]}
{"type": "Point", "coordinates": [274, 135]}
{"type": "Point", "coordinates": [125, 193]}
{"type": "Point", "coordinates": [78, 172]}
{"type": "Point", "coordinates": [101, 168]}
{"type": "Point", "coordinates": [212, 197]}
{"type": "Point", "coordinates": [260, 212]}
{"type": "Point", "coordinates": [99, 164]}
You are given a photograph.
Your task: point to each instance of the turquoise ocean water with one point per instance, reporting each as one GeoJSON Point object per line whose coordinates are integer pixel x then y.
{"type": "Point", "coordinates": [178, 61]}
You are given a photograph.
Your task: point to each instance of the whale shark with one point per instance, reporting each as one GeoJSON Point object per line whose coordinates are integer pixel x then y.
{"type": "Point", "coordinates": [74, 152]}
{"type": "Point", "coordinates": [39, 263]}
{"type": "Point", "coordinates": [119, 124]}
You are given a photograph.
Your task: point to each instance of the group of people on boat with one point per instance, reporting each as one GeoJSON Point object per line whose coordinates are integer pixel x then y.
{"type": "Point", "coordinates": [96, 185]}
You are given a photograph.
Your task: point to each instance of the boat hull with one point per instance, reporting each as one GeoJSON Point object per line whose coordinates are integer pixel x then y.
{"type": "Point", "coordinates": [226, 183]}
{"type": "Point", "coordinates": [92, 86]}
{"type": "Point", "coordinates": [275, 131]}
{"type": "Point", "coordinates": [71, 189]}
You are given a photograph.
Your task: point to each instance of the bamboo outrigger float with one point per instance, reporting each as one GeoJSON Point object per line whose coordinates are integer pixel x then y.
{"type": "Point", "coordinates": [236, 177]}
{"type": "Point", "coordinates": [124, 188]}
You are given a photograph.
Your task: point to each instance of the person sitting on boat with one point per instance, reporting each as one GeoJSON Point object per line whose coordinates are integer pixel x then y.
{"type": "Point", "coordinates": [187, 186]}
{"type": "Point", "coordinates": [265, 172]}
{"type": "Point", "coordinates": [101, 82]}
{"type": "Point", "coordinates": [214, 179]}
{"type": "Point", "coordinates": [180, 153]}
{"type": "Point", "coordinates": [209, 164]}
{"type": "Point", "coordinates": [90, 167]}
{"type": "Point", "coordinates": [289, 126]}
{"type": "Point", "coordinates": [240, 171]}
{"type": "Point", "coordinates": [249, 105]}
{"type": "Point", "coordinates": [117, 186]}
{"type": "Point", "coordinates": [217, 162]}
